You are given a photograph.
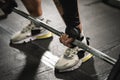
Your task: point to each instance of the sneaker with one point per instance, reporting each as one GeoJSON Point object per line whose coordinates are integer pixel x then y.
{"type": "Point", "coordinates": [30, 32]}
{"type": "Point", "coordinates": [72, 58]}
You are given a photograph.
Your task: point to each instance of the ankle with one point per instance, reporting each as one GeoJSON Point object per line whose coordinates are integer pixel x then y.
{"type": "Point", "coordinates": [40, 17]}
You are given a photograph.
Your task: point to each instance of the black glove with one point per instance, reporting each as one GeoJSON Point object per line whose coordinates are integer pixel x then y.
{"type": "Point", "coordinates": [8, 6]}
{"type": "Point", "coordinates": [73, 32]}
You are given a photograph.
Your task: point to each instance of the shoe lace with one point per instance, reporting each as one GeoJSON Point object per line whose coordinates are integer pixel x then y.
{"type": "Point", "coordinates": [47, 21]}
{"type": "Point", "coordinates": [28, 28]}
{"type": "Point", "coordinates": [32, 25]}
{"type": "Point", "coordinates": [70, 52]}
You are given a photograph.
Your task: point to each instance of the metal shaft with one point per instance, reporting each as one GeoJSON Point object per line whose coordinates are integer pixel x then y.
{"type": "Point", "coordinates": [76, 42]}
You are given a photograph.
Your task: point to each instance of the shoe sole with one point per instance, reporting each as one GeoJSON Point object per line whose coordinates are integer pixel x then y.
{"type": "Point", "coordinates": [72, 68]}
{"type": "Point", "coordinates": [87, 57]}
{"type": "Point", "coordinates": [48, 35]}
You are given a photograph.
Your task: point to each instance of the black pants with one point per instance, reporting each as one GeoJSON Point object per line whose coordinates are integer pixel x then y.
{"type": "Point", "coordinates": [70, 9]}
{"type": "Point", "coordinates": [115, 72]}
{"type": "Point", "coordinates": [70, 16]}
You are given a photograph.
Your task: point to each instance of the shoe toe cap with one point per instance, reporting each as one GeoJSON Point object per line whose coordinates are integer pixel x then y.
{"type": "Point", "coordinates": [66, 63]}
{"type": "Point", "coordinates": [18, 37]}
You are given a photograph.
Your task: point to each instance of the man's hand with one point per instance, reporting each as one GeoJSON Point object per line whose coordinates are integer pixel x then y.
{"type": "Point", "coordinates": [73, 32]}
{"type": "Point", "coordinates": [65, 40]}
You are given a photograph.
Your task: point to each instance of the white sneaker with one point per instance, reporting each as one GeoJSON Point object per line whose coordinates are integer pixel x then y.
{"type": "Point", "coordinates": [72, 58]}
{"type": "Point", "coordinates": [30, 32]}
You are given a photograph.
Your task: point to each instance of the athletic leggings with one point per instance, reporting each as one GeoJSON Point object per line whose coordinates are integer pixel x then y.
{"type": "Point", "coordinates": [70, 9]}
{"type": "Point", "coordinates": [115, 72]}
{"type": "Point", "coordinates": [70, 16]}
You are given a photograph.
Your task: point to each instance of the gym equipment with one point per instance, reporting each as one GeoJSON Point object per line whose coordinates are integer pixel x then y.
{"type": "Point", "coordinates": [76, 42]}
{"type": "Point", "coordinates": [115, 3]}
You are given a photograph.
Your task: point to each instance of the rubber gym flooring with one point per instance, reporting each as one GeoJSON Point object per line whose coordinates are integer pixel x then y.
{"type": "Point", "coordinates": [29, 61]}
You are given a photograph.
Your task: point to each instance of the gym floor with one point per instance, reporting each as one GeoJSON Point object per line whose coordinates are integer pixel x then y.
{"type": "Point", "coordinates": [100, 22]}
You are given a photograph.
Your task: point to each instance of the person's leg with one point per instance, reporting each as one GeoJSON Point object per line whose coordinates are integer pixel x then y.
{"type": "Point", "coordinates": [69, 12]}
{"type": "Point", "coordinates": [32, 31]}
{"type": "Point", "coordinates": [33, 7]}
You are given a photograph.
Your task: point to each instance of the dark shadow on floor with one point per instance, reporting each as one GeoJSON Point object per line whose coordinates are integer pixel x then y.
{"type": "Point", "coordinates": [93, 2]}
{"type": "Point", "coordinates": [33, 51]}
{"type": "Point", "coordinates": [84, 72]}
{"type": "Point", "coordinates": [114, 4]}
